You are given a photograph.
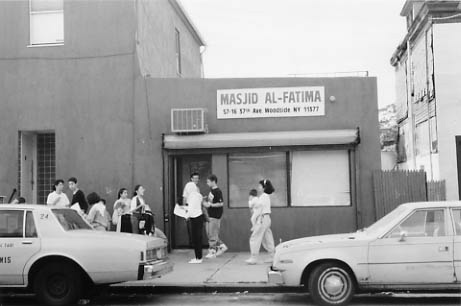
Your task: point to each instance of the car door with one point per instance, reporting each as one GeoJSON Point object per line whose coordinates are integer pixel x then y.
{"type": "Point", "coordinates": [18, 243]}
{"type": "Point", "coordinates": [456, 213]}
{"type": "Point", "coordinates": [418, 251]}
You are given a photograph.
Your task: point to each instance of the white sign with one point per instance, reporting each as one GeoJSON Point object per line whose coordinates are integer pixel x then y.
{"type": "Point", "coordinates": [270, 102]}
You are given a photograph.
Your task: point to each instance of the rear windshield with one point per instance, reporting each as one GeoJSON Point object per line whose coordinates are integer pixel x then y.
{"type": "Point", "coordinates": [70, 219]}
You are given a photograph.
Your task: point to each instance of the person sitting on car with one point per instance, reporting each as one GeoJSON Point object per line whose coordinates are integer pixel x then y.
{"type": "Point", "coordinates": [97, 216]}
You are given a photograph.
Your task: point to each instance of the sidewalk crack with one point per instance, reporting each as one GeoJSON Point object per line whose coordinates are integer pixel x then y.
{"type": "Point", "coordinates": [208, 280]}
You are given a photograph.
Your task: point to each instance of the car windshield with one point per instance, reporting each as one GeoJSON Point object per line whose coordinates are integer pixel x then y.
{"type": "Point", "coordinates": [70, 219]}
{"type": "Point", "coordinates": [379, 225]}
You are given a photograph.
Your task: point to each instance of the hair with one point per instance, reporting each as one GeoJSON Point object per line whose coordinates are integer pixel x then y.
{"type": "Point", "coordinates": [120, 192]}
{"type": "Point", "coordinates": [72, 179]}
{"type": "Point", "coordinates": [21, 200]}
{"type": "Point", "coordinates": [93, 198]}
{"type": "Point", "coordinates": [194, 174]}
{"type": "Point", "coordinates": [267, 186]}
{"type": "Point", "coordinates": [56, 183]}
{"type": "Point", "coordinates": [136, 188]}
{"type": "Point", "coordinates": [213, 178]}
{"type": "Point", "coordinates": [254, 192]}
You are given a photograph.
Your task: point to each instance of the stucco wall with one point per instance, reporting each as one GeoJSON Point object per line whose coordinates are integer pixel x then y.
{"type": "Point", "coordinates": [356, 106]}
{"type": "Point", "coordinates": [447, 62]}
{"type": "Point", "coordinates": [87, 103]}
{"type": "Point", "coordinates": [157, 21]}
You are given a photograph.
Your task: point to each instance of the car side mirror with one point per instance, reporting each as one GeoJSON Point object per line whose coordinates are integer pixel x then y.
{"type": "Point", "coordinates": [403, 236]}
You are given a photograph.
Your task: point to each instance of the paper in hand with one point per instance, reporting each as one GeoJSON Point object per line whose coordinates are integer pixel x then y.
{"type": "Point", "coordinates": [180, 211]}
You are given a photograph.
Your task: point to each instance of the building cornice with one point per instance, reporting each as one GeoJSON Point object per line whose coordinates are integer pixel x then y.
{"type": "Point", "coordinates": [430, 11]}
{"type": "Point", "coordinates": [187, 21]}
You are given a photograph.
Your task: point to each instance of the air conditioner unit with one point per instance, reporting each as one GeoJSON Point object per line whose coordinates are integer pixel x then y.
{"type": "Point", "coordinates": [188, 120]}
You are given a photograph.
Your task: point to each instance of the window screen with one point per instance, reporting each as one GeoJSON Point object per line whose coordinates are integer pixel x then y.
{"type": "Point", "coordinates": [46, 22]}
{"type": "Point", "coordinates": [246, 170]}
{"type": "Point", "coordinates": [320, 178]}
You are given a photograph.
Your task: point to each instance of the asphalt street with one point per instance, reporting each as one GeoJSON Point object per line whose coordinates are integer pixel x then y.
{"type": "Point", "coordinates": [237, 298]}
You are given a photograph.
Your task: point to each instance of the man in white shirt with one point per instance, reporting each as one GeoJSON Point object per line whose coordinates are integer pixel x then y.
{"type": "Point", "coordinates": [193, 199]}
{"type": "Point", "coordinates": [57, 197]}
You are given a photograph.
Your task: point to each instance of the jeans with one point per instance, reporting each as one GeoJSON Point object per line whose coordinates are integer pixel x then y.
{"type": "Point", "coordinates": [212, 229]}
{"type": "Point", "coordinates": [196, 231]}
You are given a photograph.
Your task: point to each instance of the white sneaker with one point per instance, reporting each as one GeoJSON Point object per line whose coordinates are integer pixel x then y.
{"type": "Point", "coordinates": [251, 261]}
{"type": "Point", "coordinates": [222, 249]}
{"type": "Point", "coordinates": [211, 254]}
{"type": "Point", "coordinates": [195, 261]}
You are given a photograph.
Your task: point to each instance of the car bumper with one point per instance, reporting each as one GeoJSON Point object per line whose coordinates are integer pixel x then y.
{"type": "Point", "coordinates": [154, 269]}
{"type": "Point", "coordinates": [274, 277]}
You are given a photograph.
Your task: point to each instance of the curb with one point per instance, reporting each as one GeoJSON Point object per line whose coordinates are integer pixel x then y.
{"type": "Point", "coordinates": [206, 288]}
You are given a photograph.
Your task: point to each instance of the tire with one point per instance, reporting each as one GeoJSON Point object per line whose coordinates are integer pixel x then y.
{"type": "Point", "coordinates": [58, 284]}
{"type": "Point", "coordinates": [331, 284]}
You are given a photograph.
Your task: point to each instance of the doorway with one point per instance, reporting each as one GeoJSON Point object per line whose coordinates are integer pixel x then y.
{"type": "Point", "coordinates": [184, 166]}
{"type": "Point", "coordinates": [37, 166]}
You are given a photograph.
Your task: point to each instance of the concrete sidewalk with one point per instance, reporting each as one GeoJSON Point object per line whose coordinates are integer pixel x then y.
{"type": "Point", "coordinates": [226, 271]}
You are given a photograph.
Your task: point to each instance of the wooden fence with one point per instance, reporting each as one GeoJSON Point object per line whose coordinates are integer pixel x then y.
{"type": "Point", "coordinates": [436, 191]}
{"type": "Point", "coordinates": [394, 187]}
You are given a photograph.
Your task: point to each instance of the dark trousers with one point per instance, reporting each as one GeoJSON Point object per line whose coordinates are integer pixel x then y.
{"type": "Point", "coordinates": [196, 231]}
{"type": "Point", "coordinates": [126, 227]}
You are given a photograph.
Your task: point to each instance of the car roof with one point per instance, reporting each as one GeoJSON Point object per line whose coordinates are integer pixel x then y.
{"type": "Point", "coordinates": [433, 204]}
{"type": "Point", "coordinates": [24, 206]}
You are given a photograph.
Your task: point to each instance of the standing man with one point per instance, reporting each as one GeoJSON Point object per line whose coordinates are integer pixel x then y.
{"type": "Point", "coordinates": [189, 188]}
{"type": "Point", "coordinates": [77, 195]}
{"type": "Point", "coordinates": [215, 205]}
{"type": "Point", "coordinates": [193, 199]}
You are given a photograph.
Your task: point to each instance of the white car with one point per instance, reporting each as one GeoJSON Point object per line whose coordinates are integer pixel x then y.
{"type": "Point", "coordinates": [417, 246]}
{"type": "Point", "coordinates": [58, 255]}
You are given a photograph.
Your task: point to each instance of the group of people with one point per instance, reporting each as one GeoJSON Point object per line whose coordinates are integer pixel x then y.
{"type": "Point", "coordinates": [209, 210]}
{"type": "Point", "coordinates": [129, 215]}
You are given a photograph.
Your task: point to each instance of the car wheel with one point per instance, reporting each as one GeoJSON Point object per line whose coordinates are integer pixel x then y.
{"type": "Point", "coordinates": [58, 284]}
{"type": "Point", "coordinates": [331, 284]}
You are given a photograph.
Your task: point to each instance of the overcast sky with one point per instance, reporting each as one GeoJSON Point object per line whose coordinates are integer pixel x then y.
{"type": "Point", "coordinates": [282, 38]}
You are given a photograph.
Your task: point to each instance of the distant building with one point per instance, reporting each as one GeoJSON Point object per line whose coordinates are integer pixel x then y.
{"type": "Point", "coordinates": [428, 72]}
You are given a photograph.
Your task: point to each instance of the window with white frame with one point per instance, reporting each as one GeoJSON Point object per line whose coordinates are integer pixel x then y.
{"type": "Point", "coordinates": [46, 22]}
{"type": "Point", "coordinates": [320, 178]}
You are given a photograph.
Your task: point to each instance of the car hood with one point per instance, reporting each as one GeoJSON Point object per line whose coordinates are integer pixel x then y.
{"type": "Point", "coordinates": [326, 241]}
{"type": "Point", "coordinates": [119, 238]}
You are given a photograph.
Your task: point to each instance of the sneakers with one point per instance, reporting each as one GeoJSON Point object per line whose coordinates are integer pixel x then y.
{"type": "Point", "coordinates": [211, 254]}
{"type": "Point", "coordinates": [251, 261]}
{"type": "Point", "coordinates": [195, 261]}
{"type": "Point", "coordinates": [221, 249]}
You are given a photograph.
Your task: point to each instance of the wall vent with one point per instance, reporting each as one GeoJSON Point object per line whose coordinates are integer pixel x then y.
{"type": "Point", "coordinates": [188, 120]}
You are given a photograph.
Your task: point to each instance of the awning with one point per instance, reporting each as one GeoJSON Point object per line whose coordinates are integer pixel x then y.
{"type": "Point", "coordinates": [261, 139]}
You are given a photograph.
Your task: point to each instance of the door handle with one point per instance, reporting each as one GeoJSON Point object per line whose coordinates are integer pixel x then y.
{"type": "Point", "coordinates": [443, 249]}
{"type": "Point", "coordinates": [27, 242]}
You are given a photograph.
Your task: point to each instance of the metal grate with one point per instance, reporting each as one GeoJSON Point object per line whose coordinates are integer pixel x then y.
{"type": "Point", "coordinates": [46, 168]}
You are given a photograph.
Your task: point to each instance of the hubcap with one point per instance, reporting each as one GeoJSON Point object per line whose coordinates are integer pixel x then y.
{"type": "Point", "coordinates": [334, 285]}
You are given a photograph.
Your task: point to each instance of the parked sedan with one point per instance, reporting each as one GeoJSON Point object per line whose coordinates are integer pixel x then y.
{"type": "Point", "coordinates": [417, 246]}
{"type": "Point", "coordinates": [59, 256]}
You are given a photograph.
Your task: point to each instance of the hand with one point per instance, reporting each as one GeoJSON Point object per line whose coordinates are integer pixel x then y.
{"type": "Point", "coordinates": [207, 204]}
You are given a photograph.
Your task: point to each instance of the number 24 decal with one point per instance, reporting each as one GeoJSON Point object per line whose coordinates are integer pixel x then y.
{"type": "Point", "coordinates": [43, 216]}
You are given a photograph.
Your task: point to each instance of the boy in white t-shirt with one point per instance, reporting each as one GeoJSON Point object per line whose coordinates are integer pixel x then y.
{"type": "Point", "coordinates": [58, 197]}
